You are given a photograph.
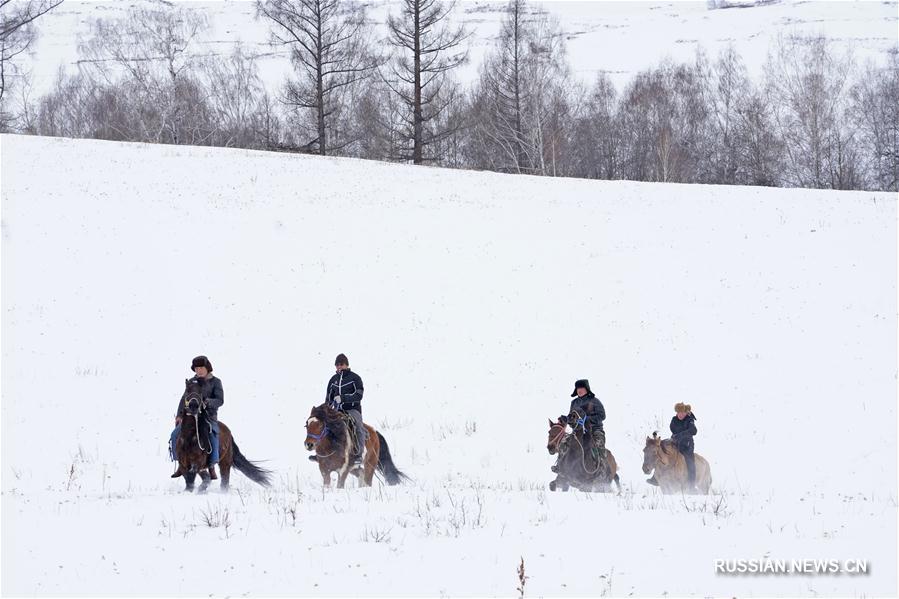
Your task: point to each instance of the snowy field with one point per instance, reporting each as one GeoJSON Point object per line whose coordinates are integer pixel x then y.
{"type": "Point", "coordinates": [469, 303]}
{"type": "Point", "coordinates": [619, 38]}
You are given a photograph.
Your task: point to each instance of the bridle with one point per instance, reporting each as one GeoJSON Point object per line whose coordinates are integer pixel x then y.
{"type": "Point", "coordinates": [318, 437]}
{"type": "Point", "coordinates": [190, 396]}
{"type": "Point", "coordinates": [554, 441]}
{"type": "Point", "coordinates": [661, 455]}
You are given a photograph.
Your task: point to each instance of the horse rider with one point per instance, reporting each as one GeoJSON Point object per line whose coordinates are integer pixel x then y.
{"type": "Point", "coordinates": [587, 407]}
{"type": "Point", "coordinates": [344, 393]}
{"type": "Point", "coordinates": [683, 429]}
{"type": "Point", "coordinates": [214, 395]}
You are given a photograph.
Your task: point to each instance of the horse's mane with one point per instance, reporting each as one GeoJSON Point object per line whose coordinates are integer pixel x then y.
{"type": "Point", "coordinates": [331, 418]}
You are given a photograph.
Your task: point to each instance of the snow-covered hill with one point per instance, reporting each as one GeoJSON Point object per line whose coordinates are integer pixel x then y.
{"type": "Point", "coordinates": [469, 303]}
{"type": "Point", "coordinates": [619, 38]}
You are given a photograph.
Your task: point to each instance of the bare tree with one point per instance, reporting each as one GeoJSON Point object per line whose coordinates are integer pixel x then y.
{"type": "Point", "coordinates": [595, 153]}
{"type": "Point", "coordinates": [149, 55]}
{"type": "Point", "coordinates": [875, 115]}
{"type": "Point", "coordinates": [524, 108]}
{"type": "Point", "coordinates": [330, 50]}
{"type": "Point", "coordinates": [663, 119]}
{"type": "Point", "coordinates": [758, 144]}
{"type": "Point", "coordinates": [427, 49]}
{"type": "Point", "coordinates": [807, 87]}
{"type": "Point", "coordinates": [17, 31]}
{"type": "Point", "coordinates": [235, 97]}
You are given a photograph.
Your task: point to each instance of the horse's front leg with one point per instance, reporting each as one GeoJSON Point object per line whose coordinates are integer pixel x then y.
{"type": "Point", "coordinates": [341, 477]}
{"type": "Point", "coordinates": [204, 474]}
{"type": "Point", "coordinates": [189, 478]}
{"type": "Point", "coordinates": [326, 475]}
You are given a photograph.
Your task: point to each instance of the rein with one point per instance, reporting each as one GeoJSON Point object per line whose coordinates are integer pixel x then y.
{"type": "Point", "coordinates": [584, 458]}
{"type": "Point", "coordinates": [555, 440]}
{"type": "Point", "coordinates": [196, 416]}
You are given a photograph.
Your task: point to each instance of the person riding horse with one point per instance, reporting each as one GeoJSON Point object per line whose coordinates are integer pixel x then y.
{"type": "Point", "coordinates": [590, 413]}
{"type": "Point", "coordinates": [214, 395]}
{"type": "Point", "coordinates": [683, 429]}
{"type": "Point", "coordinates": [344, 393]}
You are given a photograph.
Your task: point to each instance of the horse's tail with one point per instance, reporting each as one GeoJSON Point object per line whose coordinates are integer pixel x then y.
{"type": "Point", "coordinates": [386, 466]}
{"type": "Point", "coordinates": [251, 470]}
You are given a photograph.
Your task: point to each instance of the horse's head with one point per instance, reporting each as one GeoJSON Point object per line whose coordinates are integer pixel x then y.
{"type": "Point", "coordinates": [654, 453]}
{"type": "Point", "coordinates": [556, 434]}
{"type": "Point", "coordinates": [322, 421]}
{"type": "Point", "coordinates": [194, 402]}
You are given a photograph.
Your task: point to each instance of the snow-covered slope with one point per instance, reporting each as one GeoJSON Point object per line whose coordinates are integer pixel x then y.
{"type": "Point", "coordinates": [619, 38]}
{"type": "Point", "coordinates": [469, 303]}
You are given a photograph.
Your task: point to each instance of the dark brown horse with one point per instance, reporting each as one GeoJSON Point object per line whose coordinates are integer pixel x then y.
{"type": "Point", "coordinates": [575, 468]}
{"type": "Point", "coordinates": [328, 434]}
{"type": "Point", "coordinates": [193, 446]}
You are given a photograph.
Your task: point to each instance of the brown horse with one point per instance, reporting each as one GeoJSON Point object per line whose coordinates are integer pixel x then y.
{"type": "Point", "coordinates": [193, 447]}
{"type": "Point", "coordinates": [670, 467]}
{"type": "Point", "coordinates": [574, 467]}
{"type": "Point", "coordinates": [328, 434]}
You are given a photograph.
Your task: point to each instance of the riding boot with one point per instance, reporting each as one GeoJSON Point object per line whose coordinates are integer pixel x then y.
{"type": "Point", "coordinates": [313, 458]}
{"type": "Point", "coordinates": [652, 480]}
{"type": "Point", "coordinates": [212, 475]}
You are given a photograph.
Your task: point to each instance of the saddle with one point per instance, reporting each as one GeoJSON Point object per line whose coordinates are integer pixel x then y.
{"type": "Point", "coordinates": [351, 428]}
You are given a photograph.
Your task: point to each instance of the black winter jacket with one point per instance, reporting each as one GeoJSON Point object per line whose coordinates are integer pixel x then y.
{"type": "Point", "coordinates": [592, 407]}
{"type": "Point", "coordinates": [682, 431]}
{"type": "Point", "coordinates": [348, 385]}
{"type": "Point", "coordinates": [212, 391]}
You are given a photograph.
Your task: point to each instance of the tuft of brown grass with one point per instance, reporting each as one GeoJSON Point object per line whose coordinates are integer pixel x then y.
{"type": "Point", "coordinates": [521, 579]}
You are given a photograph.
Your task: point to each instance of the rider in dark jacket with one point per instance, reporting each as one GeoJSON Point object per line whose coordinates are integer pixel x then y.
{"type": "Point", "coordinates": [344, 392]}
{"type": "Point", "coordinates": [683, 428]}
{"type": "Point", "coordinates": [587, 406]}
{"type": "Point", "coordinates": [212, 391]}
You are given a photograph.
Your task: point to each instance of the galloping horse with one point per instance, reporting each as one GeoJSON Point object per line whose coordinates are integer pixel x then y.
{"type": "Point", "coordinates": [575, 468]}
{"type": "Point", "coordinates": [193, 446]}
{"type": "Point", "coordinates": [671, 467]}
{"type": "Point", "coordinates": [328, 434]}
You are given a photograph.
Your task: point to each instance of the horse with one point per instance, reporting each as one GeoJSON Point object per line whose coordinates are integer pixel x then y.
{"type": "Point", "coordinates": [574, 467]}
{"type": "Point", "coordinates": [670, 467]}
{"type": "Point", "coordinates": [193, 446]}
{"type": "Point", "coordinates": [328, 435]}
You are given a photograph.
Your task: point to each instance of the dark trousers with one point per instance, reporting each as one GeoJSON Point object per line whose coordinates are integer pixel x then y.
{"type": "Point", "coordinates": [686, 450]}
{"type": "Point", "coordinates": [361, 433]}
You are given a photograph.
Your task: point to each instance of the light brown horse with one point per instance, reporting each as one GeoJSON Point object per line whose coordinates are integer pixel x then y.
{"type": "Point", "coordinates": [670, 467]}
{"type": "Point", "coordinates": [574, 467]}
{"type": "Point", "coordinates": [328, 434]}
